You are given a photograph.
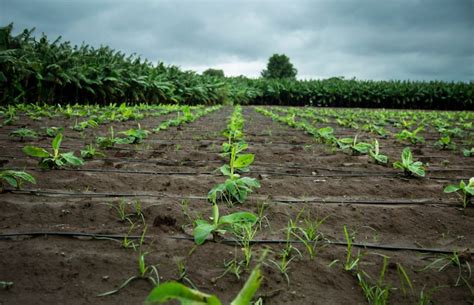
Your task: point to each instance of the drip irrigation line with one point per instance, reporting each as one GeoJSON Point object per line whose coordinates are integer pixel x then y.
{"type": "Point", "coordinates": [234, 242]}
{"type": "Point", "coordinates": [349, 174]}
{"type": "Point", "coordinates": [285, 200]}
{"type": "Point", "coordinates": [71, 234]}
{"type": "Point", "coordinates": [231, 242]}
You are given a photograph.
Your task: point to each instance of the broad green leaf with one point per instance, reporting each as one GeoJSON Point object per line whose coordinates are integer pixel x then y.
{"type": "Point", "coordinates": [34, 151]}
{"type": "Point", "coordinates": [451, 188]}
{"type": "Point", "coordinates": [11, 180]}
{"type": "Point", "coordinates": [225, 170]}
{"type": "Point", "coordinates": [177, 291]}
{"type": "Point", "coordinates": [244, 160]}
{"type": "Point", "coordinates": [57, 141]}
{"type": "Point", "coordinates": [202, 231]}
{"type": "Point", "coordinates": [71, 159]}
{"type": "Point", "coordinates": [238, 217]}
{"type": "Point", "coordinates": [250, 182]}
{"type": "Point", "coordinates": [250, 288]}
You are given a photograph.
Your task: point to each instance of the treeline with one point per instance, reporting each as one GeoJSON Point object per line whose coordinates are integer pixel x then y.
{"type": "Point", "coordinates": [39, 70]}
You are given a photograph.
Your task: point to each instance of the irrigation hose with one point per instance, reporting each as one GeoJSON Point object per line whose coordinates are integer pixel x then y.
{"type": "Point", "coordinates": [231, 242]}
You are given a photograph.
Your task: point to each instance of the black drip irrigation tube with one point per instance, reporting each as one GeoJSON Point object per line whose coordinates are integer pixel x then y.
{"type": "Point", "coordinates": [231, 242]}
{"type": "Point", "coordinates": [271, 173]}
{"type": "Point", "coordinates": [264, 198]}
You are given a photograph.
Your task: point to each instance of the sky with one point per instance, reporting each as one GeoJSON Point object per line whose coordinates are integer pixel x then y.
{"type": "Point", "coordinates": [378, 40]}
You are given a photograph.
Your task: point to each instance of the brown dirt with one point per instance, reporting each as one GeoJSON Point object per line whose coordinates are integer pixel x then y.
{"type": "Point", "coordinates": [180, 164]}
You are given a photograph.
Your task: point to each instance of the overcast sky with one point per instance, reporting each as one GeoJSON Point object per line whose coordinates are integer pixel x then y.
{"type": "Point", "coordinates": [399, 39]}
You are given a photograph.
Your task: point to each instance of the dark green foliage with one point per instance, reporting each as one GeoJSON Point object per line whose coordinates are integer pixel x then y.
{"type": "Point", "coordinates": [278, 67]}
{"type": "Point", "coordinates": [213, 72]}
{"type": "Point", "coordinates": [38, 70]}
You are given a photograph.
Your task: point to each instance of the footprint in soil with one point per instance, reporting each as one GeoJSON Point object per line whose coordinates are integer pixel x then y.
{"type": "Point", "coordinates": [164, 222]}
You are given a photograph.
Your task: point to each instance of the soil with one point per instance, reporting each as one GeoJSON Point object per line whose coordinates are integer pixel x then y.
{"type": "Point", "coordinates": [170, 173]}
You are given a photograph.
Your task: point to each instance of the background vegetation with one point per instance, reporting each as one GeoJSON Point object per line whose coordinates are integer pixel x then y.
{"type": "Point", "coordinates": [39, 70]}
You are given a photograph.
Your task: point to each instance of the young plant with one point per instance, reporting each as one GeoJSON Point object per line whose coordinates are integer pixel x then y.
{"type": "Point", "coordinates": [91, 152]}
{"type": "Point", "coordinates": [411, 136]}
{"type": "Point", "coordinates": [15, 178]}
{"type": "Point", "coordinates": [465, 191]}
{"type": "Point", "coordinates": [408, 166]}
{"type": "Point", "coordinates": [110, 140]}
{"type": "Point", "coordinates": [351, 264]}
{"type": "Point", "coordinates": [52, 132]}
{"type": "Point", "coordinates": [135, 135]}
{"type": "Point", "coordinates": [145, 272]}
{"type": "Point", "coordinates": [468, 152]}
{"type": "Point", "coordinates": [375, 154]}
{"type": "Point", "coordinates": [23, 133]}
{"type": "Point", "coordinates": [352, 144]}
{"type": "Point", "coordinates": [445, 142]}
{"type": "Point", "coordinates": [378, 292]}
{"type": "Point", "coordinates": [187, 296]}
{"type": "Point", "coordinates": [233, 223]}
{"type": "Point", "coordinates": [283, 264]}
{"type": "Point", "coordinates": [235, 188]}
{"type": "Point", "coordinates": [81, 126]}
{"type": "Point", "coordinates": [53, 159]}
{"type": "Point", "coordinates": [309, 234]}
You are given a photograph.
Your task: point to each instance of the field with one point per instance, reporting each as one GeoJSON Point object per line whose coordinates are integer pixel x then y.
{"type": "Point", "coordinates": [341, 225]}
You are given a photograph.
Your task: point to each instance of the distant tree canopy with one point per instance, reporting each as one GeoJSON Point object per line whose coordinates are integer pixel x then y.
{"type": "Point", "coordinates": [214, 72]}
{"type": "Point", "coordinates": [279, 66]}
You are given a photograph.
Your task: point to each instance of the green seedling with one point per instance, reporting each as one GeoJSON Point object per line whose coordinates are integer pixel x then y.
{"type": "Point", "coordinates": [135, 135]}
{"type": "Point", "coordinates": [468, 152]}
{"type": "Point", "coordinates": [377, 293]}
{"type": "Point", "coordinates": [235, 188]}
{"type": "Point", "coordinates": [145, 272]}
{"type": "Point", "coordinates": [411, 136]}
{"type": "Point", "coordinates": [445, 142]}
{"type": "Point", "coordinates": [90, 152]}
{"type": "Point", "coordinates": [351, 263]}
{"type": "Point", "coordinates": [233, 223]}
{"type": "Point", "coordinates": [375, 154]}
{"type": "Point", "coordinates": [24, 133]}
{"type": "Point", "coordinates": [465, 191]}
{"type": "Point", "coordinates": [5, 285]}
{"type": "Point", "coordinates": [110, 140]}
{"type": "Point", "coordinates": [81, 126]}
{"type": "Point", "coordinates": [53, 159]}
{"type": "Point", "coordinates": [15, 178]}
{"type": "Point", "coordinates": [283, 264]}
{"type": "Point", "coordinates": [352, 144]}
{"type": "Point", "coordinates": [408, 166]}
{"type": "Point", "coordinates": [446, 260]}
{"type": "Point", "coordinates": [309, 234]}
{"type": "Point", "coordinates": [233, 266]}
{"type": "Point", "coordinates": [187, 296]}
{"type": "Point", "coordinates": [52, 132]}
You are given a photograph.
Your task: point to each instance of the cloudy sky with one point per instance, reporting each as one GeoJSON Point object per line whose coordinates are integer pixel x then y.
{"type": "Point", "coordinates": [398, 39]}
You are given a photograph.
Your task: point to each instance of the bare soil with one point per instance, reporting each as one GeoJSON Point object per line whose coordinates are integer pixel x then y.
{"type": "Point", "coordinates": [171, 173]}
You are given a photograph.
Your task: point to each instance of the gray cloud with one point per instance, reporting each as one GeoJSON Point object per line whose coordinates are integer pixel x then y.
{"type": "Point", "coordinates": [404, 39]}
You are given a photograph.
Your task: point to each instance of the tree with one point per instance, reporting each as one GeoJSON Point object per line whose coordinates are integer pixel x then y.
{"type": "Point", "coordinates": [214, 72]}
{"type": "Point", "coordinates": [279, 66]}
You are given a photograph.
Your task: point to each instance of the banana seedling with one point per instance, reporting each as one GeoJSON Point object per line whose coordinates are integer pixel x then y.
{"type": "Point", "coordinates": [466, 191]}
{"type": "Point", "coordinates": [53, 159]}
{"type": "Point", "coordinates": [411, 136]}
{"type": "Point", "coordinates": [235, 188]}
{"type": "Point", "coordinates": [445, 142]}
{"type": "Point", "coordinates": [135, 135]}
{"type": "Point", "coordinates": [409, 166]}
{"type": "Point", "coordinates": [374, 152]}
{"type": "Point", "coordinates": [15, 178]}
{"type": "Point", "coordinates": [354, 146]}
{"type": "Point", "coordinates": [90, 151]}
{"type": "Point", "coordinates": [187, 296]}
{"type": "Point", "coordinates": [23, 133]}
{"type": "Point", "coordinates": [110, 140]}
